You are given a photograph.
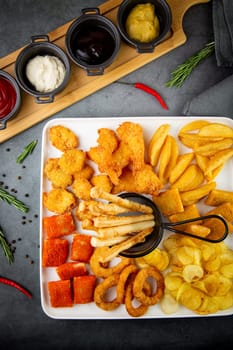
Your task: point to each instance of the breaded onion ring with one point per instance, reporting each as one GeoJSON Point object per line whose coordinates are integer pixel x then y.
{"type": "Point", "coordinates": [135, 311]}
{"type": "Point", "coordinates": [124, 276]}
{"type": "Point", "coordinates": [103, 269]}
{"type": "Point", "coordinates": [101, 290]}
{"type": "Point", "coordinates": [139, 282]}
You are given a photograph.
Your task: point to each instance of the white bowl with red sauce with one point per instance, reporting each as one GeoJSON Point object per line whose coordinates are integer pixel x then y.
{"type": "Point", "coordinates": [10, 98]}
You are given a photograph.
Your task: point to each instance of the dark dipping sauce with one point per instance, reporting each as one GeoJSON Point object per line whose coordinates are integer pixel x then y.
{"type": "Point", "coordinates": [93, 45]}
{"type": "Point", "coordinates": [7, 97]}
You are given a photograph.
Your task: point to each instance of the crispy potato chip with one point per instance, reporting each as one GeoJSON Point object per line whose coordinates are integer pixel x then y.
{"type": "Point", "coordinates": [208, 306]}
{"type": "Point", "coordinates": [191, 298]}
{"type": "Point", "coordinates": [158, 258]}
{"type": "Point", "coordinates": [190, 179]}
{"type": "Point", "coordinates": [216, 130]}
{"type": "Point", "coordinates": [185, 255]}
{"type": "Point", "coordinates": [213, 265]}
{"type": "Point", "coordinates": [169, 202]}
{"type": "Point", "coordinates": [173, 281]}
{"type": "Point", "coordinates": [224, 302]}
{"type": "Point", "coordinates": [194, 125]}
{"type": "Point", "coordinates": [192, 273]}
{"type": "Point", "coordinates": [224, 285]}
{"type": "Point", "coordinates": [168, 304]}
{"type": "Point", "coordinates": [183, 162]}
{"type": "Point", "coordinates": [156, 143]}
{"type": "Point", "coordinates": [193, 196]}
{"type": "Point", "coordinates": [217, 197]}
{"type": "Point", "coordinates": [227, 270]}
{"type": "Point", "coordinates": [209, 149]}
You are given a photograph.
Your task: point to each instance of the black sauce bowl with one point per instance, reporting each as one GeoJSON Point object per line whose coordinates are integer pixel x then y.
{"type": "Point", "coordinates": [163, 12]}
{"type": "Point", "coordinates": [96, 57]}
{"type": "Point", "coordinates": [15, 109]}
{"type": "Point", "coordinates": [40, 45]}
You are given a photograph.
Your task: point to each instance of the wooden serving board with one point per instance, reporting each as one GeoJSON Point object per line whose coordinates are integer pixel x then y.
{"type": "Point", "coordinates": [80, 85]}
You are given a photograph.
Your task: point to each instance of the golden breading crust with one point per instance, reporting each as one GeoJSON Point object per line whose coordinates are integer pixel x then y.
{"type": "Point", "coordinates": [63, 138]}
{"type": "Point", "coordinates": [59, 200]}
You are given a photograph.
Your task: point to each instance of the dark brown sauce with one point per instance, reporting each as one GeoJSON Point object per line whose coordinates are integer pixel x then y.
{"type": "Point", "coordinates": [94, 45]}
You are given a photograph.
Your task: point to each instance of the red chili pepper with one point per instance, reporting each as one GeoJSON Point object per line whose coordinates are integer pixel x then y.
{"type": "Point", "coordinates": [152, 92]}
{"type": "Point", "coordinates": [15, 285]}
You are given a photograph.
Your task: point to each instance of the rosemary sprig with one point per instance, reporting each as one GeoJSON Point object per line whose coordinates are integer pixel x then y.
{"type": "Point", "coordinates": [12, 200]}
{"type": "Point", "coordinates": [27, 150]}
{"type": "Point", "coordinates": [183, 71]}
{"type": "Point", "coordinates": [6, 248]}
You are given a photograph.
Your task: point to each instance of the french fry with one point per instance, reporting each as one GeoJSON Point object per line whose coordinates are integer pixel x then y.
{"type": "Point", "coordinates": [109, 221]}
{"type": "Point", "coordinates": [183, 162]}
{"type": "Point", "coordinates": [210, 149]}
{"type": "Point", "coordinates": [122, 230]}
{"type": "Point", "coordinates": [194, 125]}
{"type": "Point", "coordinates": [218, 159]}
{"type": "Point", "coordinates": [216, 130]}
{"type": "Point", "coordinates": [130, 242]}
{"type": "Point", "coordinates": [96, 192]}
{"type": "Point", "coordinates": [98, 242]}
{"type": "Point", "coordinates": [191, 178]}
{"type": "Point", "coordinates": [156, 143]}
{"type": "Point", "coordinates": [217, 197]}
{"type": "Point", "coordinates": [193, 196]}
{"type": "Point", "coordinates": [164, 159]}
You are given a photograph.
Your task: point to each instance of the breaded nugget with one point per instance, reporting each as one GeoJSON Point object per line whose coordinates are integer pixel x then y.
{"type": "Point", "coordinates": [54, 173]}
{"type": "Point", "coordinates": [86, 172]}
{"type": "Point", "coordinates": [132, 135]}
{"type": "Point", "coordinates": [103, 181]}
{"type": "Point", "coordinates": [59, 200]}
{"type": "Point", "coordinates": [81, 188]}
{"type": "Point", "coordinates": [63, 138]}
{"type": "Point", "coordinates": [108, 139]}
{"type": "Point", "coordinates": [72, 161]}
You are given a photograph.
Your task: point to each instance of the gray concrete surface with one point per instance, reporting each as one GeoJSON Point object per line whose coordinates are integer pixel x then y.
{"type": "Point", "coordinates": [23, 325]}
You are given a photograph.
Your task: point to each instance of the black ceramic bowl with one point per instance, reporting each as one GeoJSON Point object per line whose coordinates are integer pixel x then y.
{"type": "Point", "coordinates": [40, 45]}
{"type": "Point", "coordinates": [4, 118]}
{"type": "Point", "coordinates": [92, 41]}
{"type": "Point", "coordinates": [163, 13]}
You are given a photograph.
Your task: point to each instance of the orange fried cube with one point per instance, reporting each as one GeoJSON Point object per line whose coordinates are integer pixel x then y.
{"type": "Point", "coordinates": [58, 225]}
{"type": "Point", "coordinates": [55, 252]}
{"type": "Point", "coordinates": [71, 269]}
{"type": "Point", "coordinates": [60, 293]}
{"type": "Point", "coordinates": [84, 289]}
{"type": "Point", "coordinates": [81, 248]}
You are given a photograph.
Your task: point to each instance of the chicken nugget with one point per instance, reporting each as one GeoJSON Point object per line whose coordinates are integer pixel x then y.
{"type": "Point", "coordinates": [86, 172]}
{"type": "Point", "coordinates": [72, 161]}
{"type": "Point", "coordinates": [63, 138]}
{"type": "Point", "coordinates": [108, 139]}
{"type": "Point", "coordinates": [81, 188]}
{"type": "Point", "coordinates": [59, 200]}
{"type": "Point", "coordinates": [103, 181]}
{"type": "Point", "coordinates": [54, 173]}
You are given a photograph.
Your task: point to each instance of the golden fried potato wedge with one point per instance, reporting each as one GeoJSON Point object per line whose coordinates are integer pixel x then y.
{"type": "Point", "coordinates": [216, 130]}
{"type": "Point", "coordinates": [191, 140]}
{"type": "Point", "coordinates": [183, 162]}
{"type": "Point", "coordinates": [217, 197]}
{"type": "Point", "coordinates": [211, 148]}
{"type": "Point", "coordinates": [164, 159]}
{"type": "Point", "coordinates": [193, 196]}
{"type": "Point", "coordinates": [191, 178]}
{"type": "Point", "coordinates": [194, 125]}
{"type": "Point", "coordinates": [156, 143]}
{"type": "Point", "coordinates": [173, 157]}
{"type": "Point", "coordinates": [218, 159]}
{"type": "Point", "coordinates": [169, 202]}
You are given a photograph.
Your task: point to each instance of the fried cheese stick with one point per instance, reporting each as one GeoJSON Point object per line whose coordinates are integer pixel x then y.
{"type": "Point", "coordinates": [97, 242]}
{"type": "Point", "coordinates": [109, 221]}
{"type": "Point", "coordinates": [97, 192]}
{"type": "Point", "coordinates": [130, 242]}
{"type": "Point", "coordinates": [122, 230]}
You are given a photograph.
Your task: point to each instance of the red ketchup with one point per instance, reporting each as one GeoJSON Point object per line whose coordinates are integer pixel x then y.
{"type": "Point", "coordinates": [7, 97]}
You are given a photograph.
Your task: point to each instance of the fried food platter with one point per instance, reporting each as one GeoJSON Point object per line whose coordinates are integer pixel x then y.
{"type": "Point", "coordinates": [87, 131]}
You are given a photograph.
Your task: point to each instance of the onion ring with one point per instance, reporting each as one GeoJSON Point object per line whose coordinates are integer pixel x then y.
{"type": "Point", "coordinates": [102, 269]}
{"type": "Point", "coordinates": [139, 282]}
{"type": "Point", "coordinates": [101, 290]}
{"type": "Point", "coordinates": [129, 296]}
{"type": "Point", "coordinates": [121, 286]}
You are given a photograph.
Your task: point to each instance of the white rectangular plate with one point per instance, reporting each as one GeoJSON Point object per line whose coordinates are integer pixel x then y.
{"type": "Point", "coordinates": [86, 129]}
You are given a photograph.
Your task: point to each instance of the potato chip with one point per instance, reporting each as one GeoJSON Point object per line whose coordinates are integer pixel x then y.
{"type": "Point", "coordinates": [191, 298]}
{"type": "Point", "coordinates": [168, 304]}
{"type": "Point", "coordinates": [156, 143]}
{"type": "Point", "coordinates": [213, 265]}
{"type": "Point", "coordinates": [216, 130]}
{"type": "Point", "coordinates": [173, 281]}
{"type": "Point", "coordinates": [192, 273]}
{"type": "Point", "coordinates": [191, 178]}
{"type": "Point", "coordinates": [227, 270]}
{"type": "Point", "coordinates": [185, 255]}
{"type": "Point", "coordinates": [224, 286]}
{"type": "Point", "coordinates": [224, 302]}
{"type": "Point", "coordinates": [208, 306]}
{"type": "Point", "coordinates": [158, 258]}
